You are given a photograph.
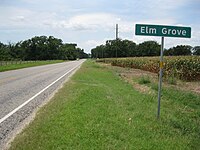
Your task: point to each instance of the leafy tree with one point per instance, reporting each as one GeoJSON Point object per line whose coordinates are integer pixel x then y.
{"type": "Point", "coordinates": [131, 48]}
{"type": "Point", "coordinates": [178, 50]}
{"type": "Point", "coordinates": [196, 50]}
{"type": "Point", "coordinates": [114, 48]}
{"type": "Point", "coordinates": [148, 48]}
{"type": "Point", "coordinates": [70, 52]}
{"type": "Point", "coordinates": [98, 52]}
{"type": "Point", "coordinates": [169, 52]}
{"type": "Point", "coordinates": [41, 48]}
{"type": "Point", "coordinates": [4, 52]}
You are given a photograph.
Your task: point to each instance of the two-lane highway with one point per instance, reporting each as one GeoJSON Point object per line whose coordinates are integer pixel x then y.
{"type": "Point", "coordinates": [28, 88]}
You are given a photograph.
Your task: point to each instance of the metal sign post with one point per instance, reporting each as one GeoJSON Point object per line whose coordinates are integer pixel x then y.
{"type": "Point", "coordinates": [160, 76]}
{"type": "Point", "coordinates": [163, 31]}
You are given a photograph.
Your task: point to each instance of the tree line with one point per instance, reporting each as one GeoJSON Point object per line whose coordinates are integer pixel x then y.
{"type": "Point", "coordinates": [126, 48]}
{"type": "Point", "coordinates": [41, 48]}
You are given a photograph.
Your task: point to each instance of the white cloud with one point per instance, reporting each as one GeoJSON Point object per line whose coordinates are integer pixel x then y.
{"type": "Point", "coordinates": [91, 21]}
{"type": "Point", "coordinates": [18, 18]}
{"type": "Point", "coordinates": [160, 21]}
{"type": "Point", "coordinates": [157, 8]}
{"type": "Point", "coordinates": [167, 4]}
{"type": "Point", "coordinates": [92, 44]}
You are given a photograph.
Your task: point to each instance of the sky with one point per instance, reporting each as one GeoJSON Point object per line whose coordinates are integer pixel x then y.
{"type": "Point", "coordinates": [91, 22]}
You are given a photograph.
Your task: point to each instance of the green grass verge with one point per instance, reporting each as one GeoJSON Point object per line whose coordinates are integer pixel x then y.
{"type": "Point", "coordinates": [29, 64]}
{"type": "Point", "coordinates": [144, 80]}
{"type": "Point", "coordinates": [96, 109]}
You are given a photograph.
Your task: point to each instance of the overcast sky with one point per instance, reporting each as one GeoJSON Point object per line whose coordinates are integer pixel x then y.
{"type": "Point", "coordinates": [91, 22]}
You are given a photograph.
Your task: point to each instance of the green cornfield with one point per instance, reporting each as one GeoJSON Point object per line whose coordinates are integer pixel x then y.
{"type": "Point", "coordinates": [182, 67]}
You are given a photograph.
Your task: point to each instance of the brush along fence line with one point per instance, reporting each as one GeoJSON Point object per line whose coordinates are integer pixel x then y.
{"type": "Point", "coordinates": [181, 67]}
{"type": "Point", "coordinates": [5, 63]}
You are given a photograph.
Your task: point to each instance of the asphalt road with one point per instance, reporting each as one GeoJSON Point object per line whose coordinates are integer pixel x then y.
{"type": "Point", "coordinates": [18, 86]}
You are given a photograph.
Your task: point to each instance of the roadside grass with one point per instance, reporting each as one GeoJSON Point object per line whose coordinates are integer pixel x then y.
{"type": "Point", "coordinates": [144, 80]}
{"type": "Point", "coordinates": [96, 109]}
{"type": "Point", "coordinates": [29, 64]}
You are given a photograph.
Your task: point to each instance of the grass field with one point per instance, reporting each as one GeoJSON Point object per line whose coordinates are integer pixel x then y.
{"type": "Point", "coordinates": [29, 64]}
{"type": "Point", "coordinates": [97, 109]}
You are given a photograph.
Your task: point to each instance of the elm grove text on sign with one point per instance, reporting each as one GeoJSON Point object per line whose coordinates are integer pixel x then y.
{"type": "Point", "coordinates": [165, 31]}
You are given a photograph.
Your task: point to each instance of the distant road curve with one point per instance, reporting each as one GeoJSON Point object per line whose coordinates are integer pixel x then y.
{"type": "Point", "coordinates": [23, 90]}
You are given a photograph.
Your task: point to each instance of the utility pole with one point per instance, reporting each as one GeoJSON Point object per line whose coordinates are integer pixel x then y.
{"type": "Point", "coordinates": [116, 37]}
{"type": "Point", "coordinates": [116, 31]}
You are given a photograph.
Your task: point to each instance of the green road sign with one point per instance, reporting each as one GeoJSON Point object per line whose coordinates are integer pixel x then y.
{"type": "Point", "coordinates": [160, 30]}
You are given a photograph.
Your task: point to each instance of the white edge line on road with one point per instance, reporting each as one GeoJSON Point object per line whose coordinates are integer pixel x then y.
{"type": "Point", "coordinates": [22, 105]}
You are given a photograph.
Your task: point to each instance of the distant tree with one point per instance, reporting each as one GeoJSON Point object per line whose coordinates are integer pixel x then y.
{"type": "Point", "coordinates": [1, 45]}
{"type": "Point", "coordinates": [41, 48]}
{"type": "Point", "coordinates": [15, 50]}
{"type": "Point", "coordinates": [125, 48]}
{"type": "Point", "coordinates": [178, 50]}
{"type": "Point", "coordinates": [129, 48]}
{"type": "Point", "coordinates": [196, 50]}
{"type": "Point", "coordinates": [71, 52]}
{"type": "Point", "coordinates": [169, 52]}
{"type": "Point", "coordinates": [99, 52]}
{"type": "Point", "coordinates": [113, 48]}
{"type": "Point", "coordinates": [148, 48]}
{"type": "Point", "coordinates": [4, 52]}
